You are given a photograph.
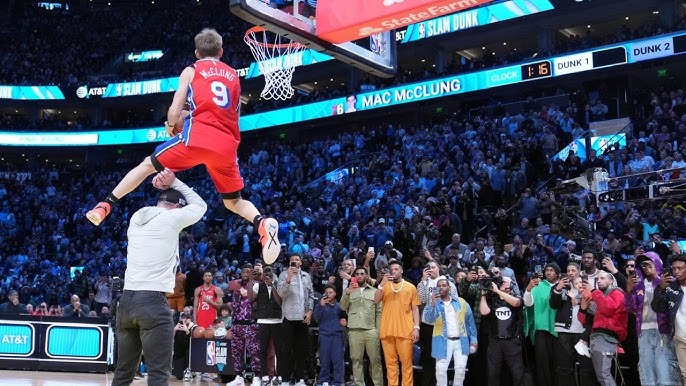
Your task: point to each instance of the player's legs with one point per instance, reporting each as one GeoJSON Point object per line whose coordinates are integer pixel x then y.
{"type": "Point", "coordinates": [173, 154]}
{"type": "Point", "coordinates": [130, 182]}
{"type": "Point", "coordinates": [134, 178]}
{"type": "Point", "coordinates": [227, 178]}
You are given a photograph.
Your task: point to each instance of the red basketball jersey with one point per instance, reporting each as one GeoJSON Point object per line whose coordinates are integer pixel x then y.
{"type": "Point", "coordinates": [214, 99]}
{"type": "Point", "coordinates": [206, 313]}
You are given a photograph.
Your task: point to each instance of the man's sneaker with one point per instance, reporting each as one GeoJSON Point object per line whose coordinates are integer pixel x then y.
{"type": "Point", "coordinates": [187, 376]}
{"type": "Point", "coordinates": [97, 214]}
{"type": "Point", "coordinates": [276, 381]}
{"type": "Point", "coordinates": [139, 375]}
{"type": "Point", "coordinates": [271, 247]}
{"type": "Point", "coordinates": [301, 383]}
{"type": "Point", "coordinates": [239, 381]}
{"type": "Point", "coordinates": [255, 381]}
{"type": "Point", "coordinates": [265, 381]}
{"type": "Point", "coordinates": [582, 349]}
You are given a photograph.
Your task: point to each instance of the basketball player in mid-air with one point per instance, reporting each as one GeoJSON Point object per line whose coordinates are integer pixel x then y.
{"type": "Point", "coordinates": [210, 136]}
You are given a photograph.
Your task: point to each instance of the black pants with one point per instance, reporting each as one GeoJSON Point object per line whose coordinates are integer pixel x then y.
{"type": "Point", "coordinates": [265, 332]}
{"type": "Point", "coordinates": [565, 359]}
{"type": "Point", "coordinates": [295, 349]}
{"type": "Point", "coordinates": [144, 324]}
{"type": "Point", "coordinates": [508, 352]}
{"type": "Point", "coordinates": [426, 360]}
{"type": "Point", "coordinates": [544, 346]}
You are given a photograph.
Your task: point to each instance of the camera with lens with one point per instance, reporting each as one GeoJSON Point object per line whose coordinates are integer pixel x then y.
{"type": "Point", "coordinates": [486, 283]}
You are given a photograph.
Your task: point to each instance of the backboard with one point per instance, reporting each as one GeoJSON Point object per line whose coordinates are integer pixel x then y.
{"type": "Point", "coordinates": [295, 19]}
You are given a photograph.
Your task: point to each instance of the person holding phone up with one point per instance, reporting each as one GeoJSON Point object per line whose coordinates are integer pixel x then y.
{"type": "Point", "coordinates": [332, 321]}
{"type": "Point", "coordinates": [427, 288]}
{"type": "Point", "coordinates": [657, 363]}
{"type": "Point", "coordinates": [295, 289]}
{"type": "Point", "coordinates": [669, 298]}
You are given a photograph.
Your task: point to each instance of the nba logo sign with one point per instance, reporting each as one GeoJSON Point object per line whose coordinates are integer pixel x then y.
{"type": "Point", "coordinates": [210, 358]}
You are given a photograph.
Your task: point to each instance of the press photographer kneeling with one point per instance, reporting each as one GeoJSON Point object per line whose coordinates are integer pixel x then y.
{"type": "Point", "coordinates": [501, 310]}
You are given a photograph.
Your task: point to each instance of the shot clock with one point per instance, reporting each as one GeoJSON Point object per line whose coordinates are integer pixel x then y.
{"type": "Point", "coordinates": [537, 70]}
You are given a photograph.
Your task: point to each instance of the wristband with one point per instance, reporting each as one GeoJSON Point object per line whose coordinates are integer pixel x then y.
{"type": "Point", "coordinates": [166, 123]}
{"type": "Point", "coordinates": [416, 327]}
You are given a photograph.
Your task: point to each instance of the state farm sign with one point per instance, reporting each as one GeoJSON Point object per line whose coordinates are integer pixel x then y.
{"type": "Point", "coordinates": [357, 19]}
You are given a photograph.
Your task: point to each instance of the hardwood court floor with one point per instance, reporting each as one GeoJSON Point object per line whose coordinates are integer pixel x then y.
{"type": "Point", "coordinates": [46, 378]}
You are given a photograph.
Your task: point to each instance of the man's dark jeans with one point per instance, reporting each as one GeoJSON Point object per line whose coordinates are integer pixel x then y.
{"type": "Point", "coordinates": [144, 324]}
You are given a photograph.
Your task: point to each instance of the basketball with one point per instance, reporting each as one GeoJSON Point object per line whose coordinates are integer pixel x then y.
{"type": "Point", "coordinates": [198, 332]}
{"type": "Point", "coordinates": [209, 333]}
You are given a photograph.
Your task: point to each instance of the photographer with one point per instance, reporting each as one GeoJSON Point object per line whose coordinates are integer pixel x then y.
{"type": "Point", "coordinates": [182, 332]}
{"type": "Point", "coordinates": [501, 312]}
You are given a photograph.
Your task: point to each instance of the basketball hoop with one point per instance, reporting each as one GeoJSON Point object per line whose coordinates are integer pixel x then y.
{"type": "Point", "coordinates": [276, 57]}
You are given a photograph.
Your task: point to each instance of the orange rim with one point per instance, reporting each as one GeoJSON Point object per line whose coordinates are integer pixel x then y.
{"type": "Point", "coordinates": [257, 29]}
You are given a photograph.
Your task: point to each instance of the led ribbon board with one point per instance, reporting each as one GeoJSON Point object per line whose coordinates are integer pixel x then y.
{"type": "Point", "coordinates": [592, 59]}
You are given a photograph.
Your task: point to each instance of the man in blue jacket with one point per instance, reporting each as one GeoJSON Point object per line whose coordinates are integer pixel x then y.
{"type": "Point", "coordinates": [332, 322]}
{"type": "Point", "coordinates": [454, 334]}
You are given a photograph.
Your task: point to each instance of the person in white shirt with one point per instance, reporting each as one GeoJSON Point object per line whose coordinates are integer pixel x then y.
{"type": "Point", "coordinates": [144, 322]}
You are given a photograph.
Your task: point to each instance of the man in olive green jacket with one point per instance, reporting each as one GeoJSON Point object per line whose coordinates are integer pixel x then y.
{"type": "Point", "coordinates": [363, 327]}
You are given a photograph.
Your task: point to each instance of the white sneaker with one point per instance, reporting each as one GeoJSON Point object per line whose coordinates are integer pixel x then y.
{"type": "Point", "coordinates": [301, 383]}
{"type": "Point", "coordinates": [256, 381]}
{"type": "Point", "coordinates": [325, 384]}
{"type": "Point", "coordinates": [268, 231]}
{"type": "Point", "coordinates": [187, 376]}
{"type": "Point", "coordinates": [582, 349]}
{"type": "Point", "coordinates": [265, 380]}
{"type": "Point", "coordinates": [239, 381]}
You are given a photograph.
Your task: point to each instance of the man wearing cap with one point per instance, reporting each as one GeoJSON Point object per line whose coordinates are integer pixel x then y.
{"type": "Point", "coordinates": [13, 307]}
{"type": "Point", "coordinates": [386, 254]}
{"type": "Point", "coordinates": [382, 233]}
{"type": "Point", "coordinates": [669, 298]}
{"type": "Point", "coordinates": [657, 364]}
{"type": "Point", "coordinates": [540, 321]}
{"type": "Point", "coordinates": [144, 322]}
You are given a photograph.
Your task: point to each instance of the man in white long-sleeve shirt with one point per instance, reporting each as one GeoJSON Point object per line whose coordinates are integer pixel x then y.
{"type": "Point", "coordinates": [144, 322]}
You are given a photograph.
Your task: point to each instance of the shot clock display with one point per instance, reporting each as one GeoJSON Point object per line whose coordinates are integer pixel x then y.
{"type": "Point", "coordinates": [537, 70]}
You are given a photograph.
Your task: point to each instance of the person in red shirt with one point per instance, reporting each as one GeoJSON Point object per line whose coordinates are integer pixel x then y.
{"type": "Point", "coordinates": [609, 323]}
{"type": "Point", "coordinates": [208, 299]}
{"type": "Point", "coordinates": [210, 136]}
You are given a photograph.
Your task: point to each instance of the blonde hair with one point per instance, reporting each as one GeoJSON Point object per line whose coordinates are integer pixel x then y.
{"type": "Point", "coordinates": [208, 43]}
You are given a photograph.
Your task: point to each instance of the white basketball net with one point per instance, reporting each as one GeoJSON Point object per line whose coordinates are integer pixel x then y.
{"type": "Point", "coordinates": [276, 57]}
